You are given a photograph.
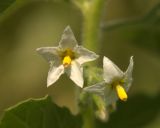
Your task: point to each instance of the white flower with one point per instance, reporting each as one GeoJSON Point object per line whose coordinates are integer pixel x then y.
{"type": "Point", "coordinates": [67, 57]}
{"type": "Point", "coordinates": [116, 83]}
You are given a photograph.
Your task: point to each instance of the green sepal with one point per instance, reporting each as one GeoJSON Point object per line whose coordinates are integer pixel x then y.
{"type": "Point", "coordinates": [92, 75]}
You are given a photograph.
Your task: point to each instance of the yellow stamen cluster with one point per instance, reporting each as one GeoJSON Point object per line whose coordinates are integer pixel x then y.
{"type": "Point", "coordinates": [67, 57]}
{"type": "Point", "coordinates": [121, 92]}
{"type": "Point", "coordinates": [66, 61]}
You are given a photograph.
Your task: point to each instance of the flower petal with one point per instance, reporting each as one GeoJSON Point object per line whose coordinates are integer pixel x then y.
{"type": "Point", "coordinates": [105, 91]}
{"type": "Point", "coordinates": [128, 75]}
{"type": "Point", "coordinates": [76, 73]}
{"type": "Point", "coordinates": [98, 89]}
{"type": "Point", "coordinates": [68, 40]}
{"type": "Point", "coordinates": [111, 71]}
{"type": "Point", "coordinates": [110, 95]}
{"type": "Point", "coordinates": [54, 74]}
{"type": "Point", "coordinates": [85, 55]}
{"type": "Point", "coordinates": [49, 53]}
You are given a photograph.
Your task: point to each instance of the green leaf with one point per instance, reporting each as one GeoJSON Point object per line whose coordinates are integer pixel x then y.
{"type": "Point", "coordinates": [39, 113]}
{"type": "Point", "coordinates": [4, 4]}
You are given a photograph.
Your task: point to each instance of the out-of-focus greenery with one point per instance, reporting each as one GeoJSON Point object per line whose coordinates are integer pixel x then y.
{"type": "Point", "coordinates": [128, 28]}
{"type": "Point", "coordinates": [5, 4]}
{"type": "Point", "coordinates": [139, 112]}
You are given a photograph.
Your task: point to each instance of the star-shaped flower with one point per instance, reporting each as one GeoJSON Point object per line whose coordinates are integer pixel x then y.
{"type": "Point", "coordinates": [67, 57]}
{"type": "Point", "coordinates": [116, 83]}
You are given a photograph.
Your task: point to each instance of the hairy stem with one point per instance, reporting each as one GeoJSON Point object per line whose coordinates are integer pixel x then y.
{"type": "Point", "coordinates": [92, 16]}
{"type": "Point", "coordinates": [91, 10]}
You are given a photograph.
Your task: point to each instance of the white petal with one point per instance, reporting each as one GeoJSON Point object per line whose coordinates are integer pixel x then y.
{"type": "Point", "coordinates": [105, 91]}
{"type": "Point", "coordinates": [68, 40]}
{"type": "Point", "coordinates": [111, 71]}
{"type": "Point", "coordinates": [110, 95]}
{"type": "Point", "coordinates": [85, 55]}
{"type": "Point", "coordinates": [49, 53]}
{"type": "Point", "coordinates": [98, 89]}
{"type": "Point", "coordinates": [54, 74]}
{"type": "Point", "coordinates": [128, 74]}
{"type": "Point", "coordinates": [76, 73]}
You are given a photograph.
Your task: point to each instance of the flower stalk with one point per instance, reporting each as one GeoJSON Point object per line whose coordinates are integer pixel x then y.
{"type": "Point", "coordinates": [88, 117]}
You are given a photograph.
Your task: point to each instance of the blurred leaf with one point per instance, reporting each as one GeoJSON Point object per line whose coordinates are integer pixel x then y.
{"type": "Point", "coordinates": [5, 4]}
{"type": "Point", "coordinates": [151, 18]}
{"type": "Point", "coordinates": [144, 31]}
{"type": "Point", "coordinates": [39, 113]}
{"type": "Point", "coordinates": [138, 112]}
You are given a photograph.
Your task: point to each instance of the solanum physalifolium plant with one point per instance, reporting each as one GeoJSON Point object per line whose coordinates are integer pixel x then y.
{"type": "Point", "coordinates": [100, 88]}
{"type": "Point", "coordinates": [68, 57]}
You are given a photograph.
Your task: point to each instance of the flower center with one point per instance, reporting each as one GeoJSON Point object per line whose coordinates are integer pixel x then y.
{"type": "Point", "coordinates": [121, 92]}
{"type": "Point", "coordinates": [67, 61]}
{"type": "Point", "coordinates": [67, 57]}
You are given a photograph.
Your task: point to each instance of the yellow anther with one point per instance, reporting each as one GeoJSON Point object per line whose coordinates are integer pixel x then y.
{"type": "Point", "coordinates": [67, 61]}
{"type": "Point", "coordinates": [121, 93]}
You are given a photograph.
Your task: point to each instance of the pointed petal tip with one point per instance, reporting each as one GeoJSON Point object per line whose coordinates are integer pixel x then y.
{"type": "Point", "coordinates": [54, 74]}
{"type": "Point", "coordinates": [49, 83]}
{"type": "Point", "coordinates": [128, 74]}
{"type": "Point", "coordinates": [105, 59]}
{"type": "Point", "coordinates": [93, 57]}
{"type": "Point", "coordinates": [79, 83]}
{"type": "Point", "coordinates": [131, 59]}
{"type": "Point", "coordinates": [68, 40]}
{"type": "Point", "coordinates": [67, 28]}
{"type": "Point", "coordinates": [38, 49]}
{"type": "Point", "coordinates": [81, 86]}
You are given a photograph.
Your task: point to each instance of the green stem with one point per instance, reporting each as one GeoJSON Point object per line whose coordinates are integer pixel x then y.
{"type": "Point", "coordinates": [88, 117]}
{"type": "Point", "coordinates": [91, 25]}
{"type": "Point", "coordinates": [92, 16]}
{"type": "Point", "coordinates": [87, 110]}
